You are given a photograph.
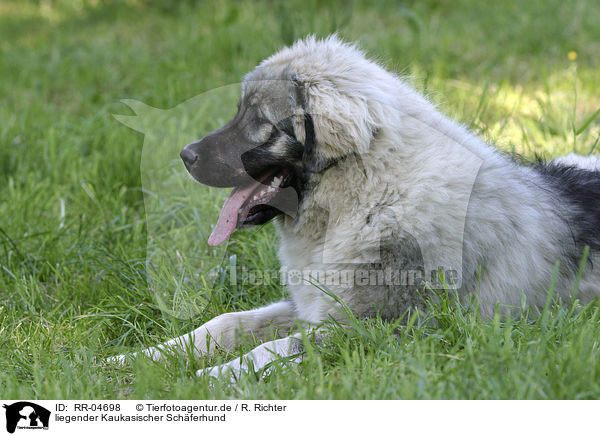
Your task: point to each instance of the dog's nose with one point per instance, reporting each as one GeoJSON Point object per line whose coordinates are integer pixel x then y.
{"type": "Point", "coordinates": [188, 157]}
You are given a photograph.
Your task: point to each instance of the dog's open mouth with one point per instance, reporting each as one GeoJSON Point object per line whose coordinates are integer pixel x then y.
{"type": "Point", "coordinates": [249, 205]}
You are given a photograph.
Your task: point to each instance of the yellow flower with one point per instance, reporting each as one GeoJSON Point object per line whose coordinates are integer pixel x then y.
{"type": "Point", "coordinates": [572, 55]}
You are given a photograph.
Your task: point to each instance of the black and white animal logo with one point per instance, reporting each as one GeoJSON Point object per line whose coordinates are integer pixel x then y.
{"type": "Point", "coordinates": [26, 415]}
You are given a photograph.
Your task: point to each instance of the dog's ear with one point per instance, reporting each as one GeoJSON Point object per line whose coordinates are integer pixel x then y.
{"type": "Point", "coordinates": [334, 124]}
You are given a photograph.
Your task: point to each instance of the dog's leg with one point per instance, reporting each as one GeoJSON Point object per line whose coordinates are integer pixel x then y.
{"type": "Point", "coordinates": [223, 332]}
{"type": "Point", "coordinates": [288, 351]}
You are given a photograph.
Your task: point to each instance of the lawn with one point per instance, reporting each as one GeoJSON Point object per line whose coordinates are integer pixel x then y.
{"type": "Point", "coordinates": [83, 269]}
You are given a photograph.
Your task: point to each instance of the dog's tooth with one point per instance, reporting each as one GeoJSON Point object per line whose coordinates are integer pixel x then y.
{"type": "Point", "coordinates": [276, 182]}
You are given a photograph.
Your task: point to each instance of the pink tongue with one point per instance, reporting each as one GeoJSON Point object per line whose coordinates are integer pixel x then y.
{"type": "Point", "coordinates": [228, 217]}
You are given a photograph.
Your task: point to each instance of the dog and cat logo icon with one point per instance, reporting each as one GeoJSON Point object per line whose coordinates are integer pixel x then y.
{"type": "Point", "coordinates": [26, 415]}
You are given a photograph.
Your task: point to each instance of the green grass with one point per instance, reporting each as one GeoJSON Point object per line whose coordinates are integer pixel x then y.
{"type": "Point", "coordinates": [74, 239]}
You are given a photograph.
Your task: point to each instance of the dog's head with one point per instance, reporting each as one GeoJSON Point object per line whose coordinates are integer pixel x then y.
{"type": "Point", "coordinates": [301, 111]}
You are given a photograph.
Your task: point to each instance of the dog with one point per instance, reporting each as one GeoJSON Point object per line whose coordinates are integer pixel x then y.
{"type": "Point", "coordinates": [362, 174]}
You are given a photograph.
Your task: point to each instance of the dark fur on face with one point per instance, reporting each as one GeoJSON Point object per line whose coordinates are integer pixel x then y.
{"type": "Point", "coordinates": [257, 145]}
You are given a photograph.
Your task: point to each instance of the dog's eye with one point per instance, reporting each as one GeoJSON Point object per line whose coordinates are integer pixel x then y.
{"type": "Point", "coordinates": [262, 133]}
{"type": "Point", "coordinates": [274, 134]}
{"type": "Point", "coordinates": [286, 127]}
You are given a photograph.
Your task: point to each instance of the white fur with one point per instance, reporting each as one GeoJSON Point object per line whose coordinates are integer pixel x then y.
{"type": "Point", "coordinates": [224, 332]}
{"type": "Point", "coordinates": [591, 163]}
{"type": "Point", "coordinates": [286, 350]}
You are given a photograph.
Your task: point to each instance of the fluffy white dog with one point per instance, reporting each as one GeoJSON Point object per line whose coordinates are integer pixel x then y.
{"type": "Point", "coordinates": [365, 177]}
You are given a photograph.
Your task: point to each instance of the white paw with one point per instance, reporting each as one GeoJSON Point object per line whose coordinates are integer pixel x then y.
{"type": "Point", "coordinates": [229, 372]}
{"type": "Point", "coordinates": [119, 360]}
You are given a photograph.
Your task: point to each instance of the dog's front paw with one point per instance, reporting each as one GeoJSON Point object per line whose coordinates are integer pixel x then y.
{"type": "Point", "coordinates": [229, 372]}
{"type": "Point", "coordinates": [119, 360]}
